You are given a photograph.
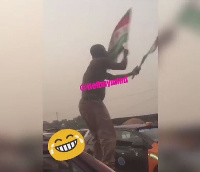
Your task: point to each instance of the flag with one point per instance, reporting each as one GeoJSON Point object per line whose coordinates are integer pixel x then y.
{"type": "Point", "coordinates": [152, 49]}
{"type": "Point", "coordinates": [119, 36]}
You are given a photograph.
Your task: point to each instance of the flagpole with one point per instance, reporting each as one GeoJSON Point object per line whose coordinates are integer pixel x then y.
{"type": "Point", "coordinates": [151, 50]}
{"type": "Point", "coordinates": [167, 35]}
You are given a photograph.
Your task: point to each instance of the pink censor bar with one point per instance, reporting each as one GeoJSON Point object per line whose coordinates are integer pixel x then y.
{"type": "Point", "coordinates": [93, 86]}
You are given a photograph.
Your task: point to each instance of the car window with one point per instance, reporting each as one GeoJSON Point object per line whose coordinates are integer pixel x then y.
{"type": "Point", "coordinates": [125, 135]}
{"type": "Point", "coordinates": [91, 142]}
{"type": "Point", "coordinates": [122, 135]}
{"type": "Point", "coordinates": [51, 165]}
{"type": "Point", "coordinates": [129, 136]}
{"type": "Point", "coordinates": [151, 133]}
{"type": "Point", "coordinates": [46, 137]}
{"type": "Point", "coordinates": [82, 133]}
{"type": "Point", "coordinates": [89, 139]}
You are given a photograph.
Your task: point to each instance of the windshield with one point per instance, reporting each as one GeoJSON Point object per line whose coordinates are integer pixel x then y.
{"type": "Point", "coordinates": [83, 132]}
{"type": "Point", "coordinates": [150, 132]}
{"type": "Point", "coordinates": [47, 136]}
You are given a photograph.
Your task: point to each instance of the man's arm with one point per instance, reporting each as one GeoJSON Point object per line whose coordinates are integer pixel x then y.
{"type": "Point", "coordinates": [135, 71]}
{"type": "Point", "coordinates": [118, 66]}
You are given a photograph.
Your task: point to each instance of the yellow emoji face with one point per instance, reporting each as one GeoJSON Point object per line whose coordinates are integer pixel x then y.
{"type": "Point", "coordinates": [66, 144]}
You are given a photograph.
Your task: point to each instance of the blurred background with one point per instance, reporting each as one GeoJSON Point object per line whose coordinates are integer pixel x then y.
{"type": "Point", "coordinates": [178, 85]}
{"type": "Point", "coordinates": [22, 76]}
{"type": "Point", "coordinates": [21, 85]}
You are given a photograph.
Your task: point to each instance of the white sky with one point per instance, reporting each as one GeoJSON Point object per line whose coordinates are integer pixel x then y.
{"type": "Point", "coordinates": [71, 28]}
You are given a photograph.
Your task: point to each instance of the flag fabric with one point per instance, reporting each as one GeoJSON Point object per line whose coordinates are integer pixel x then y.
{"type": "Point", "coordinates": [119, 36]}
{"type": "Point", "coordinates": [151, 50]}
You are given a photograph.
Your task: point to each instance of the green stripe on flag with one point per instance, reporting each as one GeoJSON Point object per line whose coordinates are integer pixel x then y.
{"type": "Point", "coordinates": [118, 47]}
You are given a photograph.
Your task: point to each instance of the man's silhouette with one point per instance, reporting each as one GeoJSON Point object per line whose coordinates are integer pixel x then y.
{"type": "Point", "coordinates": [91, 105]}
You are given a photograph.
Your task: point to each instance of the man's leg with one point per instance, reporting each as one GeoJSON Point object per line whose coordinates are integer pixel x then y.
{"type": "Point", "coordinates": [87, 110]}
{"type": "Point", "coordinates": [106, 134]}
{"type": "Point", "coordinates": [98, 154]}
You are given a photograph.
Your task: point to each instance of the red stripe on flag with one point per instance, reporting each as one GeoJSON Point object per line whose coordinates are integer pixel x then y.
{"type": "Point", "coordinates": [123, 22]}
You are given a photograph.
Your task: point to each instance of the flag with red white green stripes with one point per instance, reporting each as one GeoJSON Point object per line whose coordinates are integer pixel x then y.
{"type": "Point", "coordinates": [120, 36]}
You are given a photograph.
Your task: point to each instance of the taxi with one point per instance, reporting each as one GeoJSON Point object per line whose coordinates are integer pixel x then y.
{"type": "Point", "coordinates": [136, 149]}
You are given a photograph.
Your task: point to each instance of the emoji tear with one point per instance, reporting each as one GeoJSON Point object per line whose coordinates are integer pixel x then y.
{"type": "Point", "coordinates": [81, 140]}
{"type": "Point", "coordinates": [52, 151]}
{"type": "Point", "coordinates": [66, 144]}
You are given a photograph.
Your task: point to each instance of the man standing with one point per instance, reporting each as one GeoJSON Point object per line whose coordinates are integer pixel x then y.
{"type": "Point", "coordinates": [91, 105]}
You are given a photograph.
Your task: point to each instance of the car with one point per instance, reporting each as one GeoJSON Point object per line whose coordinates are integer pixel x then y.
{"type": "Point", "coordinates": [47, 136]}
{"type": "Point", "coordinates": [82, 163]}
{"type": "Point", "coordinates": [136, 148]}
{"type": "Point", "coordinates": [84, 132]}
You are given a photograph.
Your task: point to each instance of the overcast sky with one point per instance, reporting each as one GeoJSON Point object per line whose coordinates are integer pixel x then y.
{"type": "Point", "coordinates": [71, 28]}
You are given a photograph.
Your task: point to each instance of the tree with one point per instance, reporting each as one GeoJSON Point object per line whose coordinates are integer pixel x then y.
{"type": "Point", "coordinates": [76, 123]}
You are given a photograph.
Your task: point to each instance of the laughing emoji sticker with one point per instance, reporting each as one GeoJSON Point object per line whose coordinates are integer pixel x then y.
{"type": "Point", "coordinates": [66, 144]}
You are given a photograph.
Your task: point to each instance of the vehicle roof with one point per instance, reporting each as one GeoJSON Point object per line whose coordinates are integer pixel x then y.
{"type": "Point", "coordinates": [134, 126]}
{"type": "Point", "coordinates": [47, 133]}
{"type": "Point", "coordinates": [94, 163]}
{"type": "Point", "coordinates": [51, 130]}
{"type": "Point", "coordinates": [84, 129]}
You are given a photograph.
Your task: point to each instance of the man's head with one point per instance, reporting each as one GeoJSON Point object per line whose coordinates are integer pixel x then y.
{"type": "Point", "coordinates": [98, 50]}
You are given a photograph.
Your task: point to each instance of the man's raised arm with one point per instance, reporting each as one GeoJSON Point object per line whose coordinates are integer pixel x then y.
{"type": "Point", "coordinates": [118, 66]}
{"type": "Point", "coordinates": [135, 71]}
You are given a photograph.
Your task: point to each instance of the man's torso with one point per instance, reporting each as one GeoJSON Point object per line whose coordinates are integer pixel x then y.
{"type": "Point", "coordinates": [95, 72]}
